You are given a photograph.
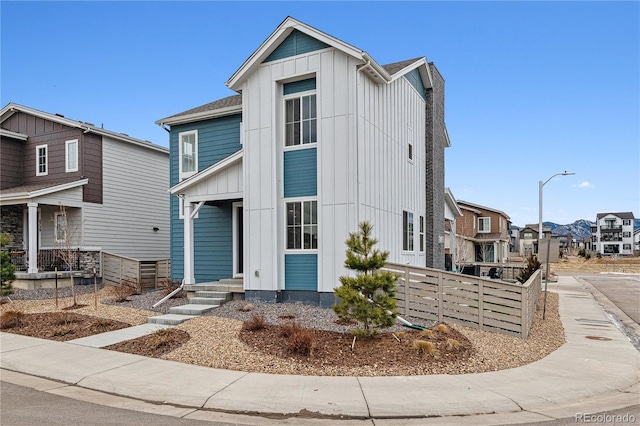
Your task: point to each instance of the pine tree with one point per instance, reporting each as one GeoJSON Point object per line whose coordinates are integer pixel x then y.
{"type": "Point", "coordinates": [369, 297]}
{"type": "Point", "coordinates": [7, 269]}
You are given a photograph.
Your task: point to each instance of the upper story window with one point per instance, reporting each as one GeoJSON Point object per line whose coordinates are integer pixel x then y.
{"type": "Point", "coordinates": [528, 235]}
{"type": "Point", "coordinates": [188, 153]}
{"type": "Point", "coordinates": [484, 224]}
{"type": "Point", "coordinates": [301, 125]}
{"type": "Point", "coordinates": [626, 222]}
{"type": "Point", "coordinates": [407, 231]}
{"type": "Point", "coordinates": [300, 113]}
{"type": "Point", "coordinates": [302, 225]}
{"type": "Point", "coordinates": [71, 156]}
{"type": "Point", "coordinates": [42, 167]}
{"type": "Point", "coordinates": [410, 143]}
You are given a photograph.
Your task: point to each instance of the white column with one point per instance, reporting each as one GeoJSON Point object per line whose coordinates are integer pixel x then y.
{"type": "Point", "coordinates": [33, 238]}
{"type": "Point", "coordinates": [188, 244]}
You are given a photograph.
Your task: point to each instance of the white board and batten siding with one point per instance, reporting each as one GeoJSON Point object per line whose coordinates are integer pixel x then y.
{"type": "Point", "coordinates": [135, 201]}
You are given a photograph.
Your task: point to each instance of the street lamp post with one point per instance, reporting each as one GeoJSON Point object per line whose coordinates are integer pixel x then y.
{"type": "Point", "coordinates": [546, 280]}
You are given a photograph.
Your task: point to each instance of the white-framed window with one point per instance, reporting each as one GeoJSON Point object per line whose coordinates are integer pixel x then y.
{"type": "Point", "coordinates": [626, 247]}
{"type": "Point", "coordinates": [421, 243]}
{"type": "Point", "coordinates": [42, 160]}
{"type": "Point", "coordinates": [301, 121]}
{"type": "Point", "coordinates": [528, 235]}
{"type": "Point", "coordinates": [60, 227]}
{"type": "Point", "coordinates": [626, 222]}
{"type": "Point", "coordinates": [410, 143]}
{"type": "Point", "coordinates": [626, 234]}
{"type": "Point", "coordinates": [484, 225]}
{"type": "Point", "coordinates": [71, 156]}
{"type": "Point", "coordinates": [188, 153]}
{"type": "Point", "coordinates": [407, 231]}
{"type": "Point", "coordinates": [302, 225]}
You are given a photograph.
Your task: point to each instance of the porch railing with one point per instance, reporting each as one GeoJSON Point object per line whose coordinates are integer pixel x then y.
{"type": "Point", "coordinates": [48, 260]}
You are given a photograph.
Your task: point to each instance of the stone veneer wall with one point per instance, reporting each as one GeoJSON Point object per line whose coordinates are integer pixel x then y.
{"type": "Point", "coordinates": [11, 222]}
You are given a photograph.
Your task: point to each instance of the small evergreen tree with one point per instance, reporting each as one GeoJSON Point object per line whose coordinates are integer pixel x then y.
{"type": "Point", "coordinates": [369, 297]}
{"type": "Point", "coordinates": [533, 264]}
{"type": "Point", "coordinates": [7, 269]}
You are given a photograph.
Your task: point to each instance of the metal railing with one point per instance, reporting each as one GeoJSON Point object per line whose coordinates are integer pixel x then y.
{"type": "Point", "coordinates": [48, 260]}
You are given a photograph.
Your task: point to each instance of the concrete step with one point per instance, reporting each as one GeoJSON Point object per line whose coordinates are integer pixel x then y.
{"type": "Point", "coordinates": [214, 294]}
{"type": "Point", "coordinates": [170, 319]}
{"type": "Point", "coordinates": [212, 301]}
{"type": "Point", "coordinates": [234, 286]}
{"type": "Point", "coordinates": [191, 309]}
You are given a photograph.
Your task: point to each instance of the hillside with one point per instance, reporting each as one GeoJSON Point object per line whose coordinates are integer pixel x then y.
{"type": "Point", "coordinates": [579, 229]}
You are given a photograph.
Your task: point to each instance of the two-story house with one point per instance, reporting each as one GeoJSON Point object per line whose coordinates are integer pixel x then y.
{"type": "Point", "coordinates": [529, 238]}
{"type": "Point", "coordinates": [483, 234]}
{"type": "Point", "coordinates": [613, 233]}
{"type": "Point", "coordinates": [269, 182]}
{"type": "Point", "coordinates": [69, 184]}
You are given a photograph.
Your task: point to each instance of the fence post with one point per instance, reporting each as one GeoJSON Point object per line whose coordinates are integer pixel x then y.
{"type": "Point", "coordinates": [406, 290]}
{"type": "Point", "coordinates": [440, 297]}
{"type": "Point", "coordinates": [480, 304]}
{"type": "Point", "coordinates": [525, 311]}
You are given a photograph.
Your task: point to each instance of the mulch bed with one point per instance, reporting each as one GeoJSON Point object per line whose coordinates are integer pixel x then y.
{"type": "Point", "coordinates": [152, 345]}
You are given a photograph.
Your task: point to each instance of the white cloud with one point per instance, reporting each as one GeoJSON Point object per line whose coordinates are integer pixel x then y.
{"type": "Point", "coordinates": [585, 184]}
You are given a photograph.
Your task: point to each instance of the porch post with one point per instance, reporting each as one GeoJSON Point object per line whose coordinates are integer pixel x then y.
{"type": "Point", "coordinates": [452, 244]}
{"type": "Point", "coordinates": [33, 238]}
{"type": "Point", "coordinates": [188, 244]}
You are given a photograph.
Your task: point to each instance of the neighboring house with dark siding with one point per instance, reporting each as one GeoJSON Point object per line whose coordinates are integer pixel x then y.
{"type": "Point", "coordinates": [113, 188]}
{"type": "Point", "coordinates": [268, 183]}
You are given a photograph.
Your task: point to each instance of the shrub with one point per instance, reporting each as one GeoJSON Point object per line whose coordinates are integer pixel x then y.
{"type": "Point", "coordinates": [368, 297]}
{"type": "Point", "coordinates": [425, 348]}
{"type": "Point", "coordinates": [582, 252]}
{"type": "Point", "coordinates": [11, 319]}
{"type": "Point", "coordinates": [452, 344]}
{"type": "Point", "coordinates": [289, 328]}
{"type": "Point", "coordinates": [167, 287]}
{"type": "Point", "coordinates": [255, 323]}
{"type": "Point", "coordinates": [442, 328]}
{"type": "Point", "coordinates": [124, 290]}
{"type": "Point", "coordinates": [301, 341]}
{"type": "Point", "coordinates": [7, 269]}
{"type": "Point", "coordinates": [427, 333]}
{"type": "Point", "coordinates": [533, 264]}
{"type": "Point", "coordinates": [245, 307]}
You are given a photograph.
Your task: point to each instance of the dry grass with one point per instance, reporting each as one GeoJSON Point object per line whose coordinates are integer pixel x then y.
{"type": "Point", "coordinates": [255, 323]}
{"type": "Point", "coordinates": [425, 347]}
{"type": "Point", "coordinates": [11, 319]}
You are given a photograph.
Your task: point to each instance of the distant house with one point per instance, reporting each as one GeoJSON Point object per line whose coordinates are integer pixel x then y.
{"type": "Point", "coordinates": [529, 239]}
{"type": "Point", "coordinates": [514, 239]}
{"type": "Point", "coordinates": [451, 214]}
{"type": "Point", "coordinates": [613, 233]}
{"type": "Point", "coordinates": [67, 183]}
{"type": "Point", "coordinates": [268, 183]}
{"type": "Point", "coordinates": [483, 234]}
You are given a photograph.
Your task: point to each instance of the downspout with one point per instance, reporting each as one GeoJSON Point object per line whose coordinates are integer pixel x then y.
{"type": "Point", "coordinates": [357, 121]}
{"type": "Point", "coordinates": [168, 296]}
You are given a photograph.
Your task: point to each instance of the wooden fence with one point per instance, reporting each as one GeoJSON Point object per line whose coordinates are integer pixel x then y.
{"type": "Point", "coordinates": [476, 302]}
{"type": "Point", "coordinates": [146, 274]}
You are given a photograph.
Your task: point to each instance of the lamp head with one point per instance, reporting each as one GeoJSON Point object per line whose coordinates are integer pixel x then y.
{"type": "Point", "coordinates": [566, 173]}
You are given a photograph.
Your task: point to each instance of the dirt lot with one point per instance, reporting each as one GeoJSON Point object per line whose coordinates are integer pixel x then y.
{"type": "Point", "coordinates": [576, 264]}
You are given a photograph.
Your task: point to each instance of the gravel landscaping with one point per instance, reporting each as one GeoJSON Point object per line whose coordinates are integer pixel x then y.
{"type": "Point", "coordinates": [218, 339]}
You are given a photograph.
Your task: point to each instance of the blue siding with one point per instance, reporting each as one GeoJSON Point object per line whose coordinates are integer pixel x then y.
{"type": "Point", "coordinates": [300, 173]}
{"type": "Point", "coordinates": [301, 272]}
{"type": "Point", "coordinates": [299, 86]}
{"type": "Point", "coordinates": [416, 81]}
{"type": "Point", "coordinates": [296, 43]}
{"type": "Point", "coordinates": [212, 239]}
{"type": "Point", "coordinates": [217, 139]}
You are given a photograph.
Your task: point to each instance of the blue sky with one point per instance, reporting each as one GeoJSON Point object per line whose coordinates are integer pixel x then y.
{"type": "Point", "coordinates": [532, 88]}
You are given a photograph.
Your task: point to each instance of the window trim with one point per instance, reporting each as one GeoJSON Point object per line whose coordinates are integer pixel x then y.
{"type": "Point", "coordinates": [421, 243]}
{"type": "Point", "coordinates": [285, 99]}
{"type": "Point", "coordinates": [408, 231]}
{"type": "Point", "coordinates": [66, 155]}
{"type": "Point", "coordinates": [182, 174]}
{"type": "Point", "coordinates": [482, 219]}
{"type": "Point", "coordinates": [46, 160]}
{"type": "Point", "coordinates": [302, 249]}
{"type": "Point", "coordinates": [410, 145]}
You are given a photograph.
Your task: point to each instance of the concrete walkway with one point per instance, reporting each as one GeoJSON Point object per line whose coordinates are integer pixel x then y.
{"type": "Point", "coordinates": [583, 376]}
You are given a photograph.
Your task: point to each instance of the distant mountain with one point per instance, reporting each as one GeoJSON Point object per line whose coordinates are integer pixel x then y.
{"type": "Point", "coordinates": [579, 229]}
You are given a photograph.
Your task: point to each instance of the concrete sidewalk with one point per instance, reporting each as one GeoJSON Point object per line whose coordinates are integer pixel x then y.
{"type": "Point", "coordinates": [583, 376]}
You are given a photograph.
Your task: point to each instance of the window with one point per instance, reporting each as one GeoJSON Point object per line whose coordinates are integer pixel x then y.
{"type": "Point", "coordinates": [626, 234]}
{"type": "Point", "coordinates": [410, 142]}
{"type": "Point", "coordinates": [301, 125]}
{"type": "Point", "coordinates": [626, 222]}
{"type": "Point", "coordinates": [302, 225]}
{"type": "Point", "coordinates": [41, 160]}
{"type": "Point", "coordinates": [60, 227]}
{"type": "Point", "coordinates": [407, 231]}
{"type": "Point", "coordinates": [484, 225]}
{"type": "Point", "coordinates": [626, 246]}
{"type": "Point", "coordinates": [188, 153]}
{"type": "Point", "coordinates": [421, 233]}
{"type": "Point", "coordinates": [528, 235]}
{"type": "Point", "coordinates": [71, 156]}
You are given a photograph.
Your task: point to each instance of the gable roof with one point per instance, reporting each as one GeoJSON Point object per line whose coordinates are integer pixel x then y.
{"type": "Point", "coordinates": [463, 203]}
{"type": "Point", "coordinates": [39, 189]}
{"type": "Point", "coordinates": [289, 25]}
{"type": "Point", "coordinates": [225, 106]}
{"type": "Point", "coordinates": [623, 215]}
{"type": "Point", "coordinates": [11, 108]}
